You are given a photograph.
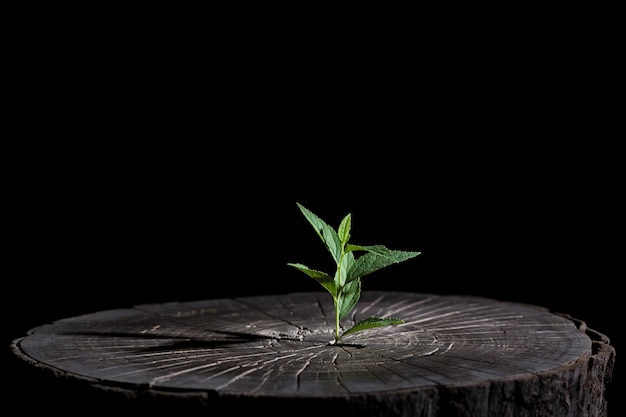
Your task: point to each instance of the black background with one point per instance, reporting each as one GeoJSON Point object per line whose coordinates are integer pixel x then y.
{"type": "Point", "coordinates": [158, 172]}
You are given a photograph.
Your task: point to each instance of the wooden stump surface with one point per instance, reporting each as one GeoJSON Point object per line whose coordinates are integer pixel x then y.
{"type": "Point", "coordinates": [453, 356]}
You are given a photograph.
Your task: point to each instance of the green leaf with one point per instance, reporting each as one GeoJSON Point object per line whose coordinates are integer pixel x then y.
{"type": "Point", "coordinates": [353, 248]}
{"type": "Point", "coordinates": [344, 229]}
{"type": "Point", "coordinates": [373, 261]}
{"type": "Point", "coordinates": [324, 231]}
{"type": "Point", "coordinates": [371, 323]}
{"type": "Point", "coordinates": [395, 255]}
{"type": "Point", "coordinates": [322, 278]}
{"type": "Point", "coordinates": [349, 296]}
{"type": "Point", "coordinates": [341, 276]}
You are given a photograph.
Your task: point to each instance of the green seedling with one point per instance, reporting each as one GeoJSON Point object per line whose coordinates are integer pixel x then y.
{"type": "Point", "coordinates": [345, 284]}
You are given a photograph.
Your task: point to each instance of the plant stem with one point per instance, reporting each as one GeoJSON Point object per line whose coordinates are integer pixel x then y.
{"type": "Point", "coordinates": [337, 320]}
{"type": "Point", "coordinates": [339, 293]}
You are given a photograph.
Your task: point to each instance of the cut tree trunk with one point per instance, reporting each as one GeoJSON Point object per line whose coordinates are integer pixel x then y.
{"type": "Point", "coordinates": [452, 356]}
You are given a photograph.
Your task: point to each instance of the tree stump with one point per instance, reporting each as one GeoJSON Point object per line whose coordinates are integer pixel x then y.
{"type": "Point", "coordinates": [452, 356]}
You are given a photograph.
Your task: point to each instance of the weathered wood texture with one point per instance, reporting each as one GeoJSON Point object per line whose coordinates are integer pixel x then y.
{"type": "Point", "coordinates": [453, 356]}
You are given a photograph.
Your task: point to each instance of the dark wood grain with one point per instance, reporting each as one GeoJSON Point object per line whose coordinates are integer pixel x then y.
{"type": "Point", "coordinates": [453, 356]}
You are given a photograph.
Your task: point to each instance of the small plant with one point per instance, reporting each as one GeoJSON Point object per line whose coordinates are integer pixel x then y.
{"type": "Point", "coordinates": [345, 284]}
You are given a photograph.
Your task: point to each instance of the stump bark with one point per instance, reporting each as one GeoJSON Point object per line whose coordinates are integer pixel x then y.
{"type": "Point", "coordinates": [452, 356]}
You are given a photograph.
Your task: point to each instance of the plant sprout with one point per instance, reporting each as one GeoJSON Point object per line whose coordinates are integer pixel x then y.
{"type": "Point", "coordinates": [345, 284]}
